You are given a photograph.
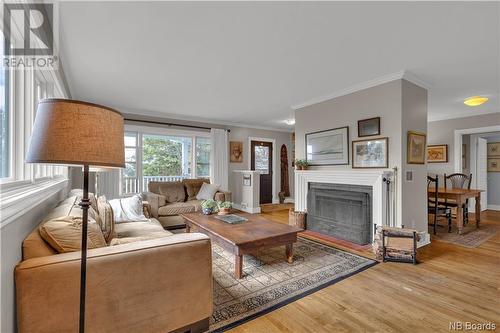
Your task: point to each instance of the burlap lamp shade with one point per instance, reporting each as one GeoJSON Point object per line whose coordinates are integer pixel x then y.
{"type": "Point", "coordinates": [81, 133]}
{"type": "Point", "coordinates": [75, 132]}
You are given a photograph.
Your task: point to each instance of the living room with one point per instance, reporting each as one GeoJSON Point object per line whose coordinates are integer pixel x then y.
{"type": "Point", "coordinates": [249, 166]}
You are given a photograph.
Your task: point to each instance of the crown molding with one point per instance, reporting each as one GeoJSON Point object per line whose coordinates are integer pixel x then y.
{"type": "Point", "coordinates": [406, 75]}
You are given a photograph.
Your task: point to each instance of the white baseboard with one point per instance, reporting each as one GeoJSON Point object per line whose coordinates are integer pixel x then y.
{"type": "Point", "coordinates": [251, 210]}
{"type": "Point", "coordinates": [494, 207]}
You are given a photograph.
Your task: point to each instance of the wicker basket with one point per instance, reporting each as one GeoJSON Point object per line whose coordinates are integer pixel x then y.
{"type": "Point", "coordinates": [297, 219]}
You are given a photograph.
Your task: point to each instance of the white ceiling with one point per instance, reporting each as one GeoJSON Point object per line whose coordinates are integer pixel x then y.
{"type": "Point", "coordinates": [249, 63]}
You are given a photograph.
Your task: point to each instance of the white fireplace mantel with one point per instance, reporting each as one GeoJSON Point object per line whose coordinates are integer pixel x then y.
{"type": "Point", "coordinates": [373, 178]}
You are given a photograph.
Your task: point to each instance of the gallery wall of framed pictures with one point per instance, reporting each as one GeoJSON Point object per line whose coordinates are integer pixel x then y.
{"type": "Point", "coordinates": [493, 156]}
{"type": "Point", "coordinates": [331, 147]}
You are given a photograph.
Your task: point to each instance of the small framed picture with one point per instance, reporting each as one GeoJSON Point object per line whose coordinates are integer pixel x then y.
{"type": "Point", "coordinates": [415, 148]}
{"type": "Point", "coordinates": [236, 151]}
{"type": "Point", "coordinates": [369, 127]}
{"type": "Point", "coordinates": [437, 153]}
{"type": "Point", "coordinates": [494, 149]}
{"type": "Point", "coordinates": [493, 164]}
{"type": "Point", "coordinates": [372, 153]}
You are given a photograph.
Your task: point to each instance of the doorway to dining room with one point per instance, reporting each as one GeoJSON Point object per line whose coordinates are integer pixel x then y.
{"type": "Point", "coordinates": [481, 159]}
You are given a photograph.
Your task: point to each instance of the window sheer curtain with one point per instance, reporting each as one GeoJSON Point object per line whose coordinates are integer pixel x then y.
{"type": "Point", "coordinates": [219, 158]}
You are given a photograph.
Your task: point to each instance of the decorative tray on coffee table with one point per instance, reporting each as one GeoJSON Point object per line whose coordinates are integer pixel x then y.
{"type": "Point", "coordinates": [231, 218]}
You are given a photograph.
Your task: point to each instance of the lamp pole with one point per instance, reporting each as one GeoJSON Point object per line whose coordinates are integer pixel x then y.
{"type": "Point", "coordinates": [85, 203]}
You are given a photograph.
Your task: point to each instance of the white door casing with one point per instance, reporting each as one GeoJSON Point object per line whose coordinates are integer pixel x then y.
{"type": "Point", "coordinates": [482, 170]}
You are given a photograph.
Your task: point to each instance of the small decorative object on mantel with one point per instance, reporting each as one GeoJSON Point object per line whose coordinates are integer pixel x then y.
{"type": "Point", "coordinates": [396, 244]}
{"type": "Point", "coordinates": [330, 147]}
{"type": "Point", "coordinates": [369, 127]}
{"type": "Point", "coordinates": [301, 165]}
{"type": "Point", "coordinates": [437, 153]}
{"type": "Point", "coordinates": [297, 219]}
{"type": "Point", "coordinates": [236, 151]}
{"type": "Point", "coordinates": [208, 206]}
{"type": "Point", "coordinates": [224, 207]}
{"type": "Point", "coordinates": [415, 148]}
{"type": "Point", "coordinates": [372, 153]}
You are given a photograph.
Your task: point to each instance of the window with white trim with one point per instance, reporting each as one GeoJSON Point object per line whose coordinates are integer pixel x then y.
{"type": "Point", "coordinates": [20, 92]}
{"type": "Point", "coordinates": [4, 116]}
{"type": "Point", "coordinates": [163, 155]}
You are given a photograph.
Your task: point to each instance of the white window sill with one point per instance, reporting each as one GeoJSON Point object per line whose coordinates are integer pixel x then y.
{"type": "Point", "coordinates": [17, 200]}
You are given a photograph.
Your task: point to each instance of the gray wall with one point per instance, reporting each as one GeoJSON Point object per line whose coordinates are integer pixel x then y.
{"type": "Point", "coordinates": [12, 236]}
{"type": "Point", "coordinates": [494, 182]}
{"type": "Point", "coordinates": [381, 101]}
{"type": "Point", "coordinates": [243, 134]}
{"type": "Point", "coordinates": [402, 106]}
{"type": "Point", "coordinates": [414, 194]}
{"type": "Point", "coordinates": [443, 131]}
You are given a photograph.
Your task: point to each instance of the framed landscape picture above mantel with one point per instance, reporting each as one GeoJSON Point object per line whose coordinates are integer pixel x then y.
{"type": "Point", "coordinates": [329, 147]}
{"type": "Point", "coordinates": [371, 153]}
{"type": "Point", "coordinates": [437, 153]}
{"type": "Point", "coordinates": [369, 127]}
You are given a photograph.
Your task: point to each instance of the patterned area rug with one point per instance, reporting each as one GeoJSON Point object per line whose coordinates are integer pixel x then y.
{"type": "Point", "coordinates": [270, 282]}
{"type": "Point", "coordinates": [471, 237]}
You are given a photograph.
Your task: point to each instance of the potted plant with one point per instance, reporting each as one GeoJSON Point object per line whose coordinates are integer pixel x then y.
{"type": "Point", "coordinates": [301, 164]}
{"type": "Point", "coordinates": [224, 207]}
{"type": "Point", "coordinates": [298, 164]}
{"type": "Point", "coordinates": [208, 206]}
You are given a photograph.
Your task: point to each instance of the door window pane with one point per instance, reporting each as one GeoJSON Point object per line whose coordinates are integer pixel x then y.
{"type": "Point", "coordinates": [262, 159]}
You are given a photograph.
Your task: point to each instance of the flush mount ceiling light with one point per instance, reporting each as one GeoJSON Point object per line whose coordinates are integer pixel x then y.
{"type": "Point", "coordinates": [475, 100]}
{"type": "Point", "coordinates": [290, 122]}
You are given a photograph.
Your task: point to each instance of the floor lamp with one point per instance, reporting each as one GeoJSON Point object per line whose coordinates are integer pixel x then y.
{"type": "Point", "coordinates": [69, 132]}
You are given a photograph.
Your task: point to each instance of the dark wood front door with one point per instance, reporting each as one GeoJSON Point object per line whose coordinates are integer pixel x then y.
{"type": "Point", "coordinates": [262, 160]}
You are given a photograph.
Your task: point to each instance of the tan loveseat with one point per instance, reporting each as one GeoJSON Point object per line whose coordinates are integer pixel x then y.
{"type": "Point", "coordinates": [169, 199]}
{"type": "Point", "coordinates": [153, 281]}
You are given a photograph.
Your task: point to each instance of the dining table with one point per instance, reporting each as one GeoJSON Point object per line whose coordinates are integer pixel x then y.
{"type": "Point", "coordinates": [459, 196]}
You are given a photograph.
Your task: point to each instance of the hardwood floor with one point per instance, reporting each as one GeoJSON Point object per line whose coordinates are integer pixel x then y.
{"type": "Point", "coordinates": [451, 283]}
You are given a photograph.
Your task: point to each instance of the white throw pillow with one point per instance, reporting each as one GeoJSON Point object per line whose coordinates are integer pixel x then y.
{"type": "Point", "coordinates": [128, 209]}
{"type": "Point", "coordinates": [207, 191]}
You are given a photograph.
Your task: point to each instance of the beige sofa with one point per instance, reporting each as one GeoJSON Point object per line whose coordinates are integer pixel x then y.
{"type": "Point", "coordinates": [169, 199]}
{"type": "Point", "coordinates": [153, 281]}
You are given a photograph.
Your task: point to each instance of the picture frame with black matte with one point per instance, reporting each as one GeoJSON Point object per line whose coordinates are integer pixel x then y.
{"type": "Point", "coordinates": [330, 147]}
{"type": "Point", "coordinates": [376, 156]}
{"type": "Point", "coordinates": [369, 127]}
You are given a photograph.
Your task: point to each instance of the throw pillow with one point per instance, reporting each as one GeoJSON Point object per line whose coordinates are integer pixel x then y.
{"type": "Point", "coordinates": [64, 234]}
{"type": "Point", "coordinates": [173, 191]}
{"type": "Point", "coordinates": [207, 191]}
{"type": "Point", "coordinates": [107, 222]}
{"type": "Point", "coordinates": [128, 209]}
{"type": "Point", "coordinates": [193, 186]}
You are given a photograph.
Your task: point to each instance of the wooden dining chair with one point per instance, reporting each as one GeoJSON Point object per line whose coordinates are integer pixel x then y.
{"type": "Point", "coordinates": [433, 205]}
{"type": "Point", "coordinates": [459, 180]}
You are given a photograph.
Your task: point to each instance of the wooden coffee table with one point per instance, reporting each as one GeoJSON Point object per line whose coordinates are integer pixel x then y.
{"type": "Point", "coordinates": [246, 237]}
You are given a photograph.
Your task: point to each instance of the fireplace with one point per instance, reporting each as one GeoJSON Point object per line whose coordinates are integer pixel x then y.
{"type": "Point", "coordinates": [343, 211]}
